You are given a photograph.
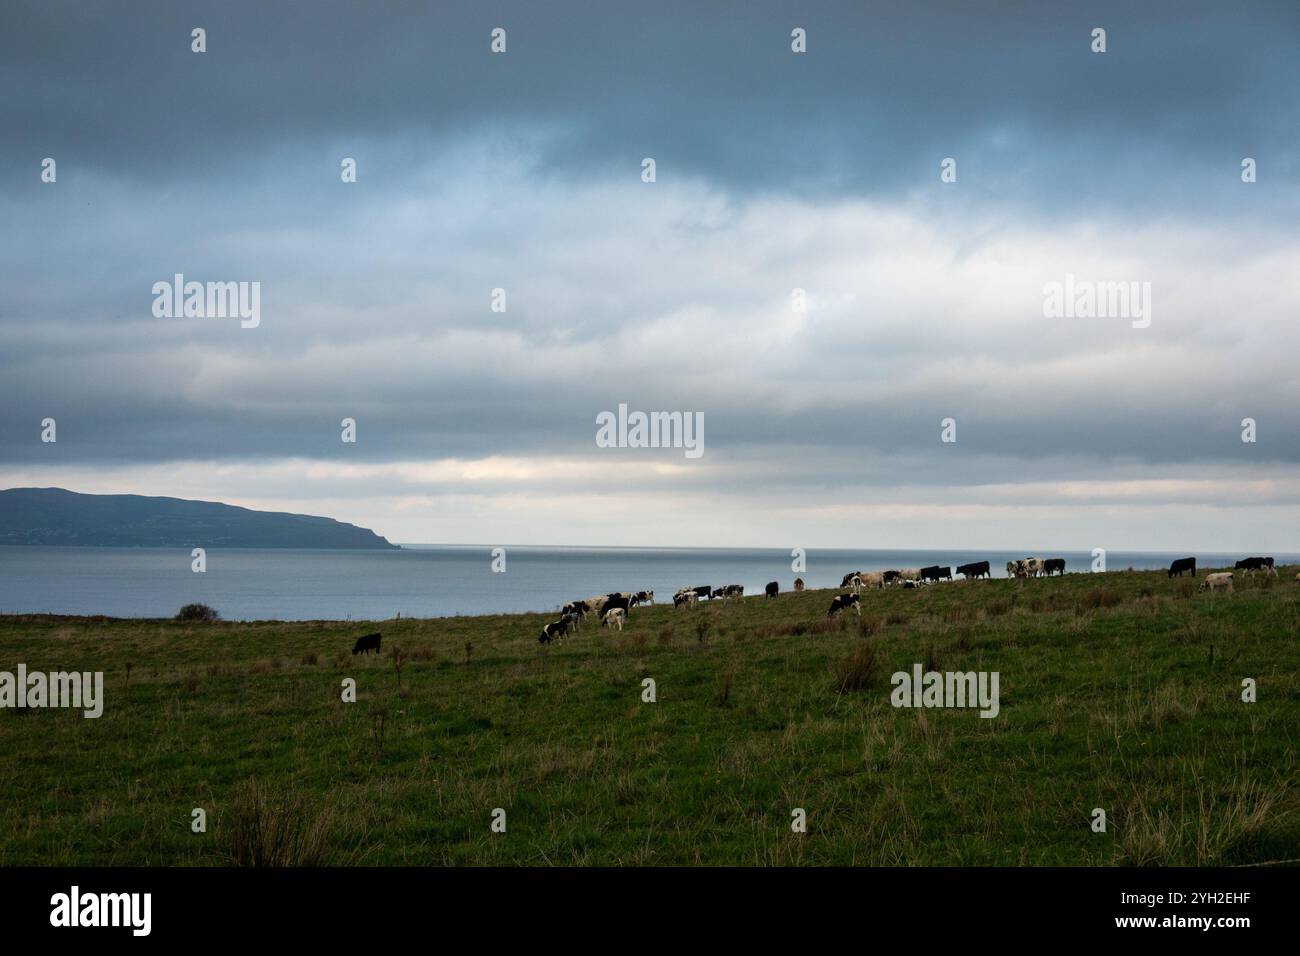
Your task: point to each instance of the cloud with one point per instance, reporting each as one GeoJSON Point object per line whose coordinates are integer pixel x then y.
{"type": "Point", "coordinates": [775, 173]}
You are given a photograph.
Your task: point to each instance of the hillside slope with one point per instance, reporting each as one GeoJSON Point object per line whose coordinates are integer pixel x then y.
{"type": "Point", "coordinates": [54, 516]}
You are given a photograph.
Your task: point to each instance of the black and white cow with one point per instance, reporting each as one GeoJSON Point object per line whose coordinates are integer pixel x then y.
{"type": "Point", "coordinates": [643, 597]}
{"type": "Point", "coordinates": [772, 590]}
{"type": "Point", "coordinates": [703, 591]}
{"type": "Point", "coordinates": [617, 601]}
{"type": "Point", "coordinates": [687, 597]}
{"type": "Point", "coordinates": [842, 601]}
{"type": "Point", "coordinates": [1181, 565]}
{"type": "Point", "coordinates": [976, 569]}
{"type": "Point", "coordinates": [553, 631]}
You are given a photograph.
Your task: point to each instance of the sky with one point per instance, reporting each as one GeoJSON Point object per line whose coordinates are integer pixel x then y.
{"type": "Point", "coordinates": [820, 171]}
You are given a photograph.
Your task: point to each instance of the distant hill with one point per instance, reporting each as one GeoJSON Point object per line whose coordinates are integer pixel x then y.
{"type": "Point", "coordinates": [54, 516]}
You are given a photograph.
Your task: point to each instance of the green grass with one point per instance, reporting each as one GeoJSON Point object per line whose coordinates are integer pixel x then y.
{"type": "Point", "coordinates": [1109, 698]}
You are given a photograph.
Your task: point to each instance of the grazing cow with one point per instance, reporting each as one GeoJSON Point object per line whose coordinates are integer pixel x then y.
{"type": "Point", "coordinates": [1181, 565]}
{"type": "Point", "coordinates": [890, 576]}
{"type": "Point", "coordinates": [574, 612]}
{"type": "Point", "coordinates": [615, 617]}
{"type": "Point", "coordinates": [841, 601]}
{"type": "Point", "coordinates": [869, 579]}
{"type": "Point", "coordinates": [729, 591]}
{"type": "Point", "coordinates": [798, 584]}
{"type": "Point", "coordinates": [976, 569]}
{"type": "Point", "coordinates": [366, 644]}
{"type": "Point", "coordinates": [848, 578]}
{"type": "Point", "coordinates": [620, 601]}
{"type": "Point", "coordinates": [554, 631]}
{"type": "Point", "coordinates": [1054, 564]}
{"type": "Point", "coordinates": [772, 590]}
{"type": "Point", "coordinates": [643, 597]}
{"type": "Point", "coordinates": [1220, 581]}
{"type": "Point", "coordinates": [1252, 564]}
{"type": "Point", "coordinates": [687, 597]}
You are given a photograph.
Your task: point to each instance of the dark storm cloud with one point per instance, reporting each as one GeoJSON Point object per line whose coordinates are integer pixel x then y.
{"type": "Point", "coordinates": [711, 90]}
{"type": "Point", "coordinates": [521, 171]}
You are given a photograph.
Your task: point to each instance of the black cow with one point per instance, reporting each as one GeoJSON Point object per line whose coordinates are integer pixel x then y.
{"type": "Point", "coordinates": [703, 591]}
{"type": "Point", "coordinates": [890, 575]}
{"type": "Point", "coordinates": [617, 600]}
{"type": "Point", "coordinates": [1181, 565]}
{"type": "Point", "coordinates": [773, 589]}
{"type": "Point", "coordinates": [933, 573]}
{"type": "Point", "coordinates": [848, 578]}
{"type": "Point", "coordinates": [553, 630]}
{"type": "Point", "coordinates": [841, 601]}
{"type": "Point", "coordinates": [1054, 564]}
{"type": "Point", "coordinates": [366, 644]}
{"type": "Point", "coordinates": [1254, 564]}
{"type": "Point", "coordinates": [976, 569]}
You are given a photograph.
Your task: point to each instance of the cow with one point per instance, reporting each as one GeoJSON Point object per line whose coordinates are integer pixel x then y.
{"type": "Point", "coordinates": [574, 612]}
{"type": "Point", "coordinates": [366, 644]}
{"type": "Point", "coordinates": [936, 573]}
{"type": "Point", "coordinates": [909, 574]}
{"type": "Point", "coordinates": [1214, 582]}
{"type": "Point", "coordinates": [703, 591]}
{"type": "Point", "coordinates": [1181, 565]}
{"type": "Point", "coordinates": [643, 597]}
{"type": "Point", "coordinates": [1253, 564]}
{"type": "Point", "coordinates": [868, 579]}
{"type": "Point", "coordinates": [1054, 564]}
{"type": "Point", "coordinates": [596, 604]}
{"type": "Point", "coordinates": [976, 569]}
{"type": "Point", "coordinates": [798, 584]}
{"type": "Point", "coordinates": [729, 591]}
{"type": "Point", "coordinates": [554, 631]}
{"type": "Point", "coordinates": [1034, 567]}
{"type": "Point", "coordinates": [618, 600]}
{"type": "Point", "coordinates": [1013, 569]}
{"type": "Point", "coordinates": [909, 583]}
{"type": "Point", "coordinates": [890, 576]}
{"type": "Point", "coordinates": [841, 601]}
{"type": "Point", "coordinates": [772, 590]}
{"type": "Point", "coordinates": [848, 578]}
{"type": "Point", "coordinates": [687, 597]}
{"type": "Point", "coordinates": [615, 617]}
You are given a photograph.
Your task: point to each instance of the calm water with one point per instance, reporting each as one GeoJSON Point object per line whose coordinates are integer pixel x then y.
{"type": "Point", "coordinates": [434, 581]}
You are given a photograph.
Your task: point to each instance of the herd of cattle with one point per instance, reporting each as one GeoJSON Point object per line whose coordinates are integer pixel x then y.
{"type": "Point", "coordinates": [614, 608]}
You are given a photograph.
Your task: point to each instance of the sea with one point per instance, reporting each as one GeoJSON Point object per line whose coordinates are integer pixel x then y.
{"type": "Point", "coordinates": [443, 580]}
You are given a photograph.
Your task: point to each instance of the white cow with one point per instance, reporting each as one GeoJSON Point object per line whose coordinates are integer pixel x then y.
{"type": "Point", "coordinates": [1222, 581]}
{"type": "Point", "coordinates": [615, 617]}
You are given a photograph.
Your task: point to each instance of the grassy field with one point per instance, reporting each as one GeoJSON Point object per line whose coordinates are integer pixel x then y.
{"type": "Point", "coordinates": [1120, 691]}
